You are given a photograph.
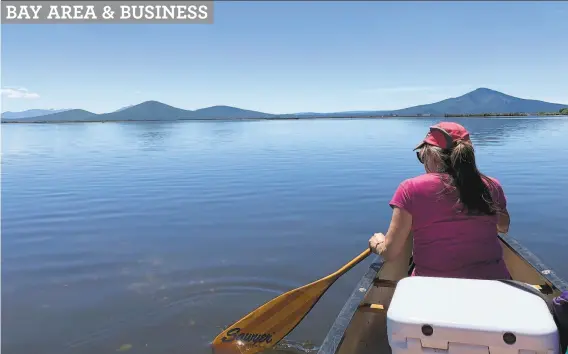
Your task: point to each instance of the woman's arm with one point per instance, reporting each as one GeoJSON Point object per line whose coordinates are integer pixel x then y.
{"type": "Point", "coordinates": [503, 221]}
{"type": "Point", "coordinates": [391, 245]}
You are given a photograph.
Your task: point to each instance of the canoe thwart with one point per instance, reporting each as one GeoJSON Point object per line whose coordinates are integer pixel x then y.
{"type": "Point", "coordinates": [545, 289]}
{"type": "Point", "coordinates": [384, 283]}
{"type": "Point", "coordinates": [367, 307]}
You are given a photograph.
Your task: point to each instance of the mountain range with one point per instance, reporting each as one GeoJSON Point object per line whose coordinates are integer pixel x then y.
{"type": "Point", "coordinates": [479, 101]}
{"type": "Point", "coordinates": [31, 113]}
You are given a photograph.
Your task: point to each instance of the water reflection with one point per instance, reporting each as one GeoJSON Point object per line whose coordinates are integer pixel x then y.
{"type": "Point", "coordinates": [491, 132]}
{"type": "Point", "coordinates": [157, 235]}
{"type": "Point", "coordinates": [148, 136]}
{"type": "Point", "coordinates": [153, 141]}
{"type": "Point", "coordinates": [223, 132]}
{"type": "Point", "coordinates": [497, 131]}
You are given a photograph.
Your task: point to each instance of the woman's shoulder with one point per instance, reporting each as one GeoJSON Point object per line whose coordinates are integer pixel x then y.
{"type": "Point", "coordinates": [492, 181]}
{"type": "Point", "coordinates": [423, 180]}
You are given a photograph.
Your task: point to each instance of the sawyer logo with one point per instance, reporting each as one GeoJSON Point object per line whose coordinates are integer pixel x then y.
{"type": "Point", "coordinates": [255, 338]}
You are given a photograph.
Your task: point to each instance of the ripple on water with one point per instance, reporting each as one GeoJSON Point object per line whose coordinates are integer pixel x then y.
{"type": "Point", "coordinates": [180, 292]}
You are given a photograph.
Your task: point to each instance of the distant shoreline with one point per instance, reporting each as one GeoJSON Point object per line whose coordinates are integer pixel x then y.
{"type": "Point", "coordinates": [480, 115]}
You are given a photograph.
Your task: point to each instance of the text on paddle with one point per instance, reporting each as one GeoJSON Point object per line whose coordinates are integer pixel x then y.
{"type": "Point", "coordinates": [235, 334]}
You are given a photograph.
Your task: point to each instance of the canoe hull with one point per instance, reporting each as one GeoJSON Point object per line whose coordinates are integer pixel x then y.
{"type": "Point", "coordinates": [361, 328]}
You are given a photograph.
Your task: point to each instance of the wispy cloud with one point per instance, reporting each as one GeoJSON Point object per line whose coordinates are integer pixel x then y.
{"type": "Point", "coordinates": [18, 92]}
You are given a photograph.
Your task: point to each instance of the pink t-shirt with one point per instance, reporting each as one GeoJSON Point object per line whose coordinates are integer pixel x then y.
{"type": "Point", "coordinates": [448, 243]}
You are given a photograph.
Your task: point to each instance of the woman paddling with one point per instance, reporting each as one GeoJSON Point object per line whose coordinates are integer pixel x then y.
{"type": "Point", "coordinates": [453, 211]}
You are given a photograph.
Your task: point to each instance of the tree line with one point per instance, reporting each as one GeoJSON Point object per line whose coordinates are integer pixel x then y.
{"type": "Point", "coordinates": [561, 112]}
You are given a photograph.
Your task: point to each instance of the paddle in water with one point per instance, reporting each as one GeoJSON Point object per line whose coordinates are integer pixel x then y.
{"type": "Point", "coordinates": [267, 325]}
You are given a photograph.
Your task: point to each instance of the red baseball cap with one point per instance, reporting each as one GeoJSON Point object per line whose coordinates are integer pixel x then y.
{"type": "Point", "coordinates": [444, 134]}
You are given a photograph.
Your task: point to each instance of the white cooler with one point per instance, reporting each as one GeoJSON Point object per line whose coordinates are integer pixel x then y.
{"type": "Point", "coordinates": [462, 316]}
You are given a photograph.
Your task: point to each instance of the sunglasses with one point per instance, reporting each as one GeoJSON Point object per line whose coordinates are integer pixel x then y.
{"type": "Point", "coordinates": [419, 158]}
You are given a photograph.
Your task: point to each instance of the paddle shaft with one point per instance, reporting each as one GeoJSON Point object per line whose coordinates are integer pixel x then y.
{"type": "Point", "coordinates": [349, 265]}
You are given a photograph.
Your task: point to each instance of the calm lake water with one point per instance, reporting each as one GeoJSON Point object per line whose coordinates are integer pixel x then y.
{"type": "Point", "coordinates": [156, 235]}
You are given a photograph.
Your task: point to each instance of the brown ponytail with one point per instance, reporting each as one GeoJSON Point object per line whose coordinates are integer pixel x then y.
{"type": "Point", "coordinates": [471, 185]}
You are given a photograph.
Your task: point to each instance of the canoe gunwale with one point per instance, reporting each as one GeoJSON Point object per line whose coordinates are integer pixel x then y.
{"type": "Point", "coordinates": [335, 335]}
{"type": "Point", "coordinates": [545, 271]}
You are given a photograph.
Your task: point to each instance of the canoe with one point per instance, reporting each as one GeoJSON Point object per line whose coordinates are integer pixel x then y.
{"type": "Point", "coordinates": [361, 326]}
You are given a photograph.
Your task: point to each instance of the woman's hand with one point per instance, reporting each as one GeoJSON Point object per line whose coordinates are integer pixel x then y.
{"type": "Point", "coordinates": [376, 243]}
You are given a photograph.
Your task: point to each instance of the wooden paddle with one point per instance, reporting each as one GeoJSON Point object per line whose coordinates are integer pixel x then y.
{"type": "Point", "coordinates": [268, 324]}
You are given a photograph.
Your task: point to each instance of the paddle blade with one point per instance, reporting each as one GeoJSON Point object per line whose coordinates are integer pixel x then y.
{"type": "Point", "coordinates": [267, 325]}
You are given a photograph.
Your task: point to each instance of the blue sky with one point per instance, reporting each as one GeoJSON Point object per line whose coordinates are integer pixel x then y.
{"type": "Point", "coordinates": [280, 57]}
